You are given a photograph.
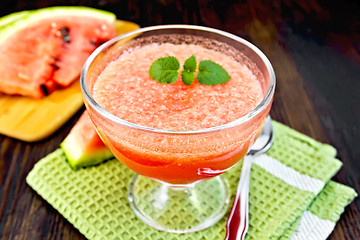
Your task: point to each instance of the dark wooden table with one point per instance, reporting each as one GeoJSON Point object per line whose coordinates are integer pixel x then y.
{"type": "Point", "coordinates": [314, 47]}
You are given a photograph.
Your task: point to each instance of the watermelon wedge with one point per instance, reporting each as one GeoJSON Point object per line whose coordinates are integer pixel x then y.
{"type": "Point", "coordinates": [83, 147]}
{"type": "Point", "coordinates": [45, 49]}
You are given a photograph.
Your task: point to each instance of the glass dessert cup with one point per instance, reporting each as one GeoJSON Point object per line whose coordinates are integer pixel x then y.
{"type": "Point", "coordinates": [178, 186]}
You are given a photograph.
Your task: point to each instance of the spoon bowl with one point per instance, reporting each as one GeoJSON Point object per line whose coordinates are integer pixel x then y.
{"type": "Point", "coordinates": [265, 139]}
{"type": "Point", "coordinates": [238, 221]}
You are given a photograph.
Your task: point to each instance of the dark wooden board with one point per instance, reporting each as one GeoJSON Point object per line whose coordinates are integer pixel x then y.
{"type": "Point", "coordinates": [314, 47]}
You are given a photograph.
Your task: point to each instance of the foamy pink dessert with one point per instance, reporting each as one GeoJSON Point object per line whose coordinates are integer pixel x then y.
{"type": "Point", "coordinates": [125, 89]}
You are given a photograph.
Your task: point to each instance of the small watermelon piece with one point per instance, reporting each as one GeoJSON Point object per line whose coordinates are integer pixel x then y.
{"type": "Point", "coordinates": [83, 147]}
{"type": "Point", "coordinates": [44, 49]}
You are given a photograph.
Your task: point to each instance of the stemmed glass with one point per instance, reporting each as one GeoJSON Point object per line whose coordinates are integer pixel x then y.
{"type": "Point", "coordinates": [178, 185]}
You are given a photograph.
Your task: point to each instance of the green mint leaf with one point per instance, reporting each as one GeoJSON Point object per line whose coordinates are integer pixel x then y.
{"type": "Point", "coordinates": [190, 64]}
{"type": "Point", "coordinates": [187, 77]}
{"type": "Point", "coordinates": [165, 70]}
{"type": "Point", "coordinates": [211, 73]}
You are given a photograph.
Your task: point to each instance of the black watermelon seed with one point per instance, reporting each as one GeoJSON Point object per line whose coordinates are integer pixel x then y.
{"type": "Point", "coordinates": [54, 66]}
{"type": "Point", "coordinates": [65, 34]}
{"type": "Point", "coordinates": [44, 89]}
{"type": "Point", "coordinates": [97, 43]}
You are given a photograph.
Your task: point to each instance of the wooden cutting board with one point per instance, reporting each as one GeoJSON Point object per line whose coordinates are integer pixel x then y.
{"type": "Point", "coordinates": [33, 120]}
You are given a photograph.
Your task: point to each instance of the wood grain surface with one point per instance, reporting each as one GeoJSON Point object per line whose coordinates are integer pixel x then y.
{"type": "Point", "coordinates": [314, 47]}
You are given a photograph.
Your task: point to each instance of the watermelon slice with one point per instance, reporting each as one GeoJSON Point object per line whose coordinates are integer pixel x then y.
{"type": "Point", "coordinates": [83, 147]}
{"type": "Point", "coordinates": [45, 49]}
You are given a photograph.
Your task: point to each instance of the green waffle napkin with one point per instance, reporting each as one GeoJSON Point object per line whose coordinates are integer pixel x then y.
{"type": "Point", "coordinates": [291, 195]}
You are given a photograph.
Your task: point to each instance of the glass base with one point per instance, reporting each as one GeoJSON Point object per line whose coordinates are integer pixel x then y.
{"type": "Point", "coordinates": [180, 209]}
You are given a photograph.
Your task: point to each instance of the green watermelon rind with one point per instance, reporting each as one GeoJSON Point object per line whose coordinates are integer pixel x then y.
{"type": "Point", "coordinates": [12, 18]}
{"type": "Point", "coordinates": [27, 19]}
{"type": "Point", "coordinates": [78, 159]}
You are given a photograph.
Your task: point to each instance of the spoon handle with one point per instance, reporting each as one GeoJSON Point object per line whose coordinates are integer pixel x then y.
{"type": "Point", "coordinates": [238, 221]}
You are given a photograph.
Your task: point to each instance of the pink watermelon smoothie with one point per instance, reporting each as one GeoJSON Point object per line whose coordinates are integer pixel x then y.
{"type": "Point", "coordinates": [125, 89]}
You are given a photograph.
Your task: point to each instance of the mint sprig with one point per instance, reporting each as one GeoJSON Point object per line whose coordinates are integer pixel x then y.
{"type": "Point", "coordinates": [166, 70]}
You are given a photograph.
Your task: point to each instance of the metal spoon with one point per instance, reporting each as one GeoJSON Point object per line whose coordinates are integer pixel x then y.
{"type": "Point", "coordinates": [238, 222]}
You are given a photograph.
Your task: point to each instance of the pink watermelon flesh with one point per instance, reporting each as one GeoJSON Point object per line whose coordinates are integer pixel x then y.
{"type": "Point", "coordinates": [80, 38]}
{"type": "Point", "coordinates": [49, 54]}
{"type": "Point", "coordinates": [26, 61]}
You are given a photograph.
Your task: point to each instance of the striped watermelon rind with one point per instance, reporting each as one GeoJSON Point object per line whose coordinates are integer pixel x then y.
{"type": "Point", "coordinates": [12, 18]}
{"type": "Point", "coordinates": [12, 23]}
